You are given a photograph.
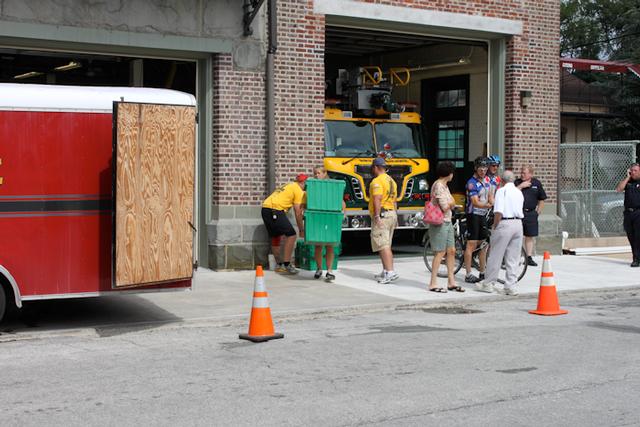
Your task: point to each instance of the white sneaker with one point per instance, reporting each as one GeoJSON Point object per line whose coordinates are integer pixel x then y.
{"type": "Point", "coordinates": [290, 269]}
{"type": "Point", "coordinates": [388, 278]}
{"type": "Point", "coordinates": [393, 276]}
{"type": "Point", "coordinates": [484, 287]}
{"type": "Point", "coordinates": [510, 291]}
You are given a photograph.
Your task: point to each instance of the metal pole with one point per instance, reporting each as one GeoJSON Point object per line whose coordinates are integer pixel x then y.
{"type": "Point", "coordinates": [559, 165]}
{"type": "Point", "coordinates": [270, 95]}
{"type": "Point", "coordinates": [590, 196]}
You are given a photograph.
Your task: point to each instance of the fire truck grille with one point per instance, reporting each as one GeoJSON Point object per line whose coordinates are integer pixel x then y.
{"type": "Point", "coordinates": [397, 173]}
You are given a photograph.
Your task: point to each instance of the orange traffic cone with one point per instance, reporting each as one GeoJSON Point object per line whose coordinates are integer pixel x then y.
{"type": "Point", "coordinates": [261, 324]}
{"type": "Point", "coordinates": [548, 304]}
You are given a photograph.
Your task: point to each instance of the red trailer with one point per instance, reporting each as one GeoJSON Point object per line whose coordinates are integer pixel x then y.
{"type": "Point", "coordinates": [96, 191]}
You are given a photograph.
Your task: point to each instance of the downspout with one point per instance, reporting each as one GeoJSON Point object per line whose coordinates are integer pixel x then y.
{"type": "Point", "coordinates": [270, 95]}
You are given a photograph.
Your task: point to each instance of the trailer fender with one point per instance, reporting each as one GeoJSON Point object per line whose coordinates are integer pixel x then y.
{"type": "Point", "coordinates": [16, 291]}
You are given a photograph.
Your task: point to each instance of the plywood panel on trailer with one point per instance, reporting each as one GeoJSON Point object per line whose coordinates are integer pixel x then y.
{"type": "Point", "coordinates": [154, 186]}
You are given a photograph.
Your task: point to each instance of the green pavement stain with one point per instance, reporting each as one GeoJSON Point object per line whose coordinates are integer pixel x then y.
{"type": "Point", "coordinates": [456, 309]}
{"type": "Point", "coordinates": [408, 329]}
{"type": "Point", "coordinates": [516, 370]}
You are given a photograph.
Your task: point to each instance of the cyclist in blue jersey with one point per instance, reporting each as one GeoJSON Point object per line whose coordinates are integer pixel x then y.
{"type": "Point", "coordinates": [492, 175]}
{"type": "Point", "coordinates": [492, 172]}
{"type": "Point", "coordinates": [479, 202]}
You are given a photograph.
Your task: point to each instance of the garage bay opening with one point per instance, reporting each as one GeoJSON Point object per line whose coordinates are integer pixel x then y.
{"type": "Point", "coordinates": [414, 100]}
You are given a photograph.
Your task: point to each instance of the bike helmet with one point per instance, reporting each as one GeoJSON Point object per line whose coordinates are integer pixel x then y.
{"type": "Point", "coordinates": [494, 160]}
{"type": "Point", "coordinates": [480, 162]}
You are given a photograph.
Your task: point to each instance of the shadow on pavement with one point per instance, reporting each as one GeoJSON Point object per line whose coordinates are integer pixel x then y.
{"type": "Point", "coordinates": [109, 315]}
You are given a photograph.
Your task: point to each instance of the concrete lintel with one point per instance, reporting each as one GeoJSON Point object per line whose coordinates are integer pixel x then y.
{"type": "Point", "coordinates": [492, 27]}
{"type": "Point", "coordinates": [19, 31]}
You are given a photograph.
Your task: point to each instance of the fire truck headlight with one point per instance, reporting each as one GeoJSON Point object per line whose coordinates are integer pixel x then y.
{"type": "Point", "coordinates": [423, 185]}
{"type": "Point", "coordinates": [356, 222]}
{"type": "Point", "coordinates": [416, 220]}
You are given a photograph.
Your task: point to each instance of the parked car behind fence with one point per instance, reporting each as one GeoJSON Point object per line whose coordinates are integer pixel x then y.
{"type": "Point", "coordinates": [588, 174]}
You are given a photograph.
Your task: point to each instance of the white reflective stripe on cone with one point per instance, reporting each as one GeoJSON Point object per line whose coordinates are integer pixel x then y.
{"type": "Point", "coordinates": [546, 266]}
{"type": "Point", "coordinates": [547, 281]}
{"type": "Point", "coordinates": [259, 286]}
{"type": "Point", "coordinates": [261, 302]}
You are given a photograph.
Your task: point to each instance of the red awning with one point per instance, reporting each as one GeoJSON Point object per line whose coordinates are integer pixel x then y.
{"type": "Point", "coordinates": [600, 66]}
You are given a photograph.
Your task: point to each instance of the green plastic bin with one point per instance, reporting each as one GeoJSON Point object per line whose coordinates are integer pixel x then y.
{"type": "Point", "coordinates": [325, 194]}
{"type": "Point", "coordinates": [305, 252]}
{"type": "Point", "coordinates": [322, 227]}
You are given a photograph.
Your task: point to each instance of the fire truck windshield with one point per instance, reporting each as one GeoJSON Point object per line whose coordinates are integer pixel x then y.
{"type": "Point", "coordinates": [402, 139]}
{"type": "Point", "coordinates": [348, 139]}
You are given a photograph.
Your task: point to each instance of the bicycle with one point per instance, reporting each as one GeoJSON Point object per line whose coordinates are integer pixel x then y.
{"type": "Point", "coordinates": [459, 222]}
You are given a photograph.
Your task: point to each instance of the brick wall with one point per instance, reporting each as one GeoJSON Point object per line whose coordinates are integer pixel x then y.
{"type": "Point", "coordinates": [299, 69]}
{"type": "Point", "coordinates": [531, 133]}
{"type": "Point", "coordinates": [239, 130]}
{"type": "Point", "coordinates": [239, 168]}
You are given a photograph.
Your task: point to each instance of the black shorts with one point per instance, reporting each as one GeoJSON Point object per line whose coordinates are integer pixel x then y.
{"type": "Point", "coordinates": [277, 223]}
{"type": "Point", "coordinates": [477, 227]}
{"type": "Point", "coordinates": [530, 223]}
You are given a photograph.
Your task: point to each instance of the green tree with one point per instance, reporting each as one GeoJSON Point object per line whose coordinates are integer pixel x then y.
{"type": "Point", "coordinates": [606, 30]}
{"type": "Point", "coordinates": [597, 29]}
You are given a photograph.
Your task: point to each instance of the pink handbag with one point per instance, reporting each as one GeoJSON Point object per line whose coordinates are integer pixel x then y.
{"type": "Point", "coordinates": [432, 214]}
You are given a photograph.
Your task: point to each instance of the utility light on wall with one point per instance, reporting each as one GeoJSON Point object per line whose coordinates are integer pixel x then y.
{"type": "Point", "coordinates": [525, 98]}
{"type": "Point", "coordinates": [70, 66]}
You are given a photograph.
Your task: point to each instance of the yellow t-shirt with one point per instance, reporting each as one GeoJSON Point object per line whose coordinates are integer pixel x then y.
{"type": "Point", "coordinates": [284, 197]}
{"type": "Point", "coordinates": [383, 185]}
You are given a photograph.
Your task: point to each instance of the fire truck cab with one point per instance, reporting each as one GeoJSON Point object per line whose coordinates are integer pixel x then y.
{"type": "Point", "coordinates": [366, 123]}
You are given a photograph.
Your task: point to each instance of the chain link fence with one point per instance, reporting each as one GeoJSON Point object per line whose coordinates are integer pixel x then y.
{"type": "Point", "coordinates": [588, 175]}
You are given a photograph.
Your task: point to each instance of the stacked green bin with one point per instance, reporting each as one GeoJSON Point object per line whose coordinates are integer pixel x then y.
{"type": "Point", "coordinates": [322, 227]}
{"type": "Point", "coordinates": [325, 195]}
{"type": "Point", "coordinates": [323, 221]}
{"type": "Point", "coordinates": [323, 217]}
{"type": "Point", "coordinates": [305, 253]}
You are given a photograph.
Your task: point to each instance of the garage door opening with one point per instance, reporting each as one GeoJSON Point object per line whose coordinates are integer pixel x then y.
{"type": "Point", "coordinates": [445, 81]}
{"type": "Point", "coordinates": [83, 68]}
{"type": "Point", "coordinates": [43, 67]}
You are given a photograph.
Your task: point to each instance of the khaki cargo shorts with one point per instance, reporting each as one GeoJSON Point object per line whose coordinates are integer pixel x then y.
{"type": "Point", "coordinates": [382, 233]}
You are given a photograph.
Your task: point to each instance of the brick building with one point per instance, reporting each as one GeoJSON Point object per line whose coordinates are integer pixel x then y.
{"type": "Point", "coordinates": [502, 54]}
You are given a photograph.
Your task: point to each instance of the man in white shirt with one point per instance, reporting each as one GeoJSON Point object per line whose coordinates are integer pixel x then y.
{"type": "Point", "coordinates": [506, 237]}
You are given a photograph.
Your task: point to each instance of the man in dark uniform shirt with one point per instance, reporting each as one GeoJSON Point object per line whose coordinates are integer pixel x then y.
{"type": "Point", "coordinates": [534, 197]}
{"type": "Point", "coordinates": [631, 187]}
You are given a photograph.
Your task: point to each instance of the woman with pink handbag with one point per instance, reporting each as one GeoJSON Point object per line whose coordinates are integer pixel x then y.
{"type": "Point", "coordinates": [441, 233]}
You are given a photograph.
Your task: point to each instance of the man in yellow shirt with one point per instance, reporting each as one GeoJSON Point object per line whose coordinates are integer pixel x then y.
{"type": "Point", "coordinates": [274, 216]}
{"type": "Point", "coordinates": [383, 193]}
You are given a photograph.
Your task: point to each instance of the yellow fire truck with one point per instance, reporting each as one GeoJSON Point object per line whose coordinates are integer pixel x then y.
{"type": "Point", "coordinates": [365, 123]}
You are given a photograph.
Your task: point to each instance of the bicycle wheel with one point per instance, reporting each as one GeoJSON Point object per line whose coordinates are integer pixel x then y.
{"type": "Point", "coordinates": [521, 269]}
{"type": "Point", "coordinates": [428, 255]}
{"type": "Point", "coordinates": [523, 266]}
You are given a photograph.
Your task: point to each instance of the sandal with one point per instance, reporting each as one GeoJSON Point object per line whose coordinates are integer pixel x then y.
{"type": "Point", "coordinates": [438, 290]}
{"type": "Point", "coordinates": [456, 289]}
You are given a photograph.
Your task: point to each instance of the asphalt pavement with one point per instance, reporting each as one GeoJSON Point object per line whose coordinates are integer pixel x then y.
{"type": "Point", "coordinates": [471, 362]}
